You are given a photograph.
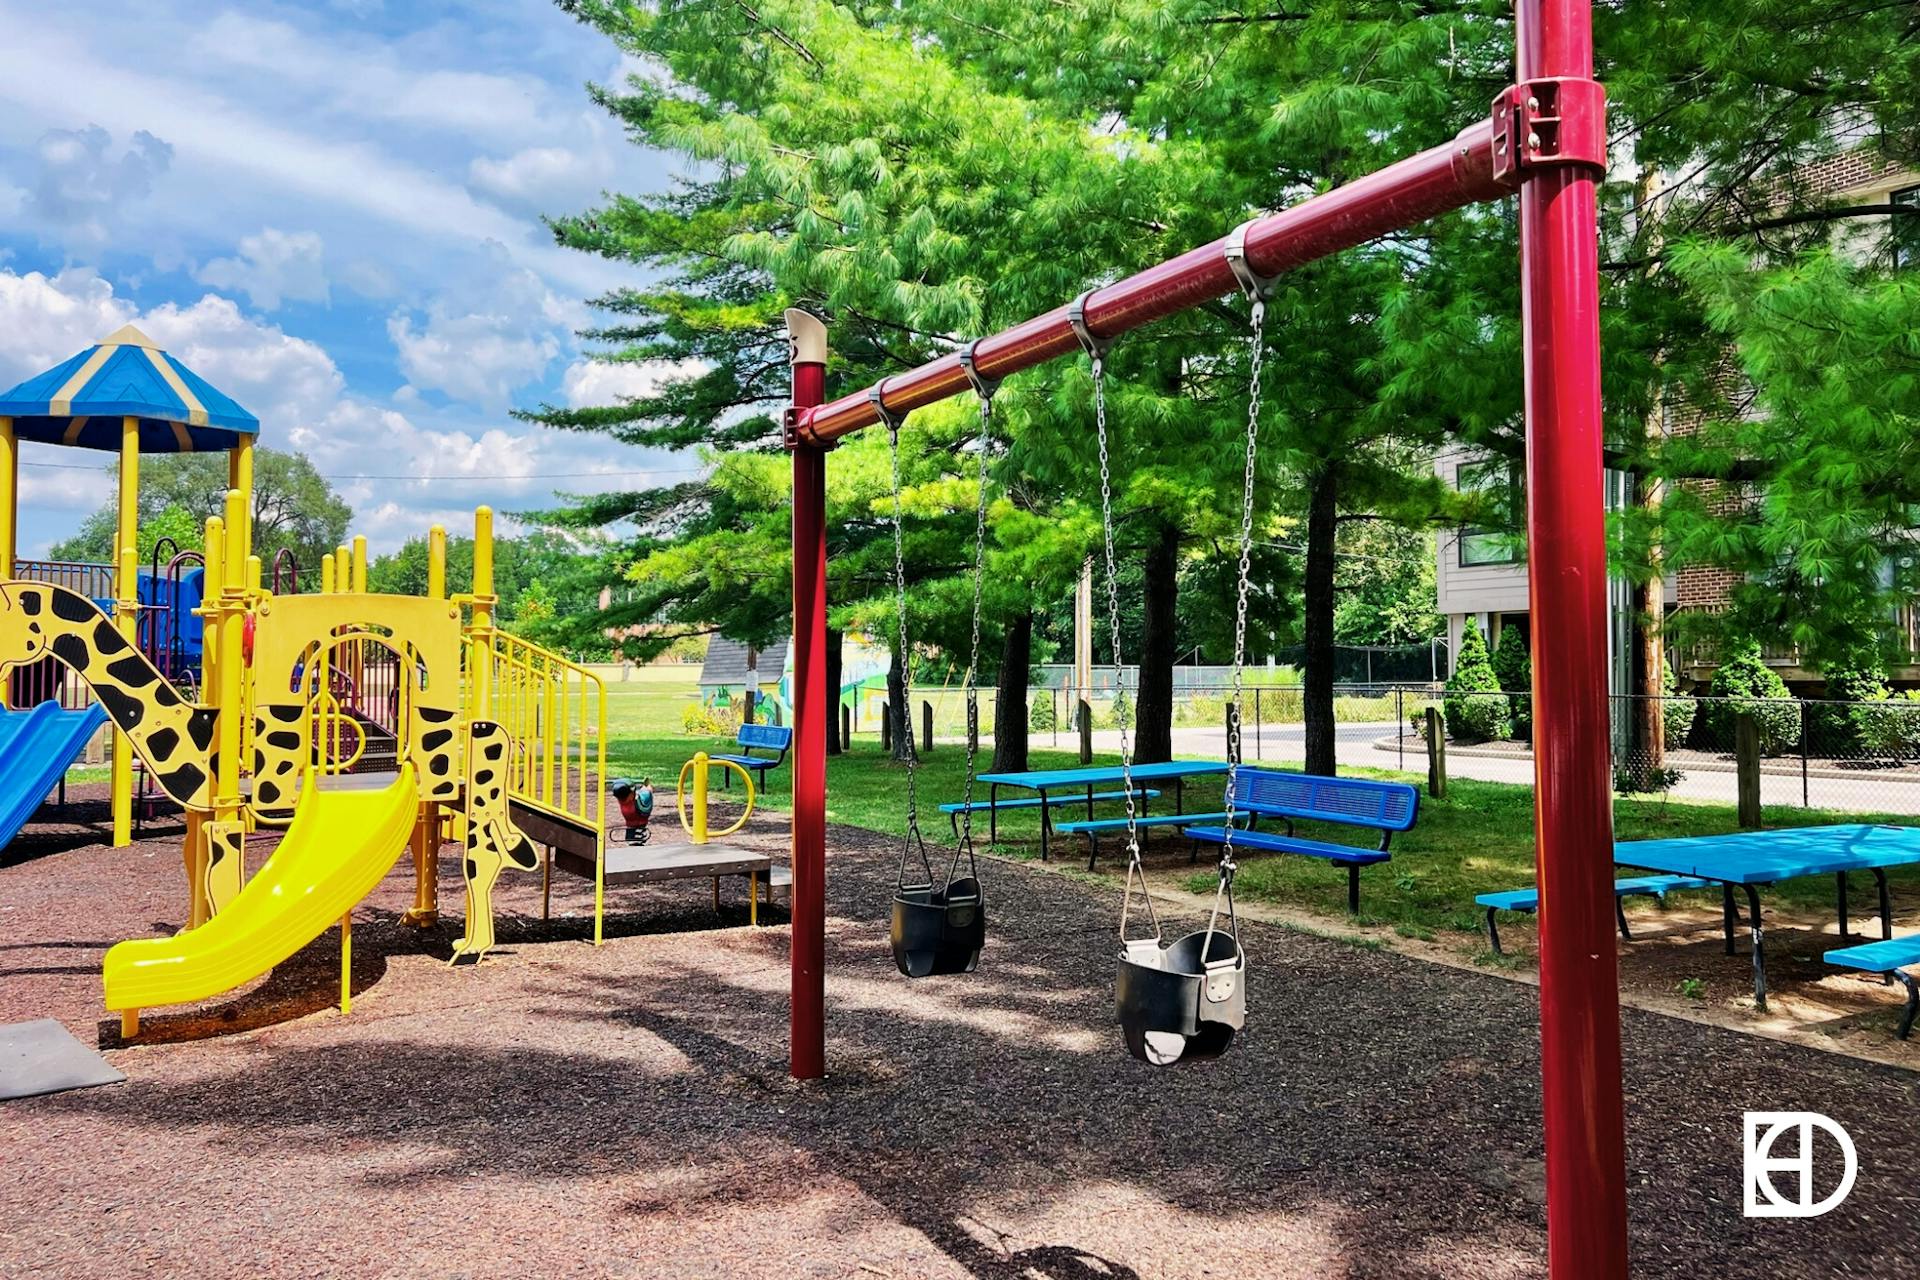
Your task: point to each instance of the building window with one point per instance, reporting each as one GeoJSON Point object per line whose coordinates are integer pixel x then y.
{"type": "Point", "coordinates": [1906, 227]}
{"type": "Point", "coordinates": [1484, 546]}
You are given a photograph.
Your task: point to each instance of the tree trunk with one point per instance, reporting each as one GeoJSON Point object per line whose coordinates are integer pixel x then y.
{"type": "Point", "coordinates": [899, 714]}
{"type": "Point", "coordinates": [1317, 678]}
{"type": "Point", "coordinates": [1010, 706]}
{"type": "Point", "coordinates": [1153, 701]}
{"type": "Point", "coordinates": [833, 691]}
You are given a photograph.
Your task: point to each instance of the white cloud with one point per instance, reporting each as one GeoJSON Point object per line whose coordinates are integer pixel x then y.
{"type": "Point", "coordinates": [271, 266]}
{"type": "Point", "coordinates": [370, 80]}
{"type": "Point", "coordinates": [486, 337]}
{"type": "Point", "coordinates": [541, 175]}
{"type": "Point", "coordinates": [81, 185]}
{"type": "Point", "coordinates": [596, 382]}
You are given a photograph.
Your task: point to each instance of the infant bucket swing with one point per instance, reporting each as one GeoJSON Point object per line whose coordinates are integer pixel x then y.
{"type": "Point", "coordinates": [1182, 1001]}
{"type": "Point", "coordinates": [939, 928]}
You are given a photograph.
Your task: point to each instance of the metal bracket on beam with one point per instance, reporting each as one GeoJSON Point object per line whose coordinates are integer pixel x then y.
{"type": "Point", "coordinates": [790, 428]}
{"type": "Point", "coordinates": [1548, 123]}
{"type": "Point", "coordinates": [877, 397]}
{"type": "Point", "coordinates": [1254, 285]}
{"type": "Point", "coordinates": [1095, 347]}
{"type": "Point", "coordinates": [970, 365]}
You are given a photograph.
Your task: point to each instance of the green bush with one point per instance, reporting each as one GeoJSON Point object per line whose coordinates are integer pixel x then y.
{"type": "Point", "coordinates": [1744, 682]}
{"type": "Point", "coordinates": [1513, 667]}
{"type": "Point", "coordinates": [1890, 726]}
{"type": "Point", "coordinates": [1040, 712]}
{"type": "Point", "coordinates": [1678, 712]}
{"type": "Point", "coordinates": [1838, 725]}
{"type": "Point", "coordinates": [1119, 712]}
{"type": "Point", "coordinates": [1476, 709]}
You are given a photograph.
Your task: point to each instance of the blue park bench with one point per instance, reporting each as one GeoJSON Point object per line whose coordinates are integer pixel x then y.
{"type": "Point", "coordinates": [1640, 887]}
{"type": "Point", "coordinates": [1045, 803]}
{"type": "Point", "coordinates": [762, 737]}
{"type": "Point", "coordinates": [1385, 807]}
{"type": "Point", "coordinates": [1890, 958]}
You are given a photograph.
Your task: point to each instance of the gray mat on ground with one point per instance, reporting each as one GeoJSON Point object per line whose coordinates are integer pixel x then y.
{"type": "Point", "coordinates": [43, 1057]}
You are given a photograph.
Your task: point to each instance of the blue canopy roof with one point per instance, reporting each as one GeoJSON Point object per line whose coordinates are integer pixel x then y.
{"type": "Point", "coordinates": [81, 401]}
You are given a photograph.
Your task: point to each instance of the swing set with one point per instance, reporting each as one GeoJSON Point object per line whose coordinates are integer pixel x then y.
{"type": "Point", "coordinates": [1183, 1001]}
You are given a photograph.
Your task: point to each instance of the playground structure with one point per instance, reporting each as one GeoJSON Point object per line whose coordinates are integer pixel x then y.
{"type": "Point", "coordinates": [253, 707]}
{"type": "Point", "coordinates": [1546, 143]}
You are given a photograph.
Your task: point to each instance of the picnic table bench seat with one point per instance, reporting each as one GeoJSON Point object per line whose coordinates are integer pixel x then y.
{"type": "Point", "coordinates": [1042, 802]}
{"type": "Point", "coordinates": [1637, 887]}
{"type": "Point", "coordinates": [1093, 827]}
{"type": "Point", "coordinates": [1385, 807]}
{"type": "Point", "coordinates": [763, 737]}
{"type": "Point", "coordinates": [1890, 957]}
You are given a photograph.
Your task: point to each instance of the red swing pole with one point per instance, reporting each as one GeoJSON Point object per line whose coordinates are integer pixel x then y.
{"type": "Point", "coordinates": [1567, 584]}
{"type": "Point", "coordinates": [813, 705]}
{"type": "Point", "coordinates": [1548, 139]}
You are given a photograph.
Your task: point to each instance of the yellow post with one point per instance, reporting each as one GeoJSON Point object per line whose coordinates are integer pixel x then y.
{"type": "Point", "coordinates": [481, 672]}
{"type": "Point", "coordinates": [226, 791]}
{"type": "Point", "coordinates": [699, 797]}
{"type": "Point", "coordinates": [346, 962]}
{"type": "Point", "coordinates": [126, 555]}
{"type": "Point", "coordinates": [342, 569]}
{"type": "Point", "coordinates": [9, 495]}
{"type": "Point", "coordinates": [326, 575]}
{"type": "Point", "coordinates": [129, 1023]}
{"type": "Point", "coordinates": [360, 562]}
{"type": "Point", "coordinates": [240, 477]}
{"type": "Point", "coordinates": [437, 563]}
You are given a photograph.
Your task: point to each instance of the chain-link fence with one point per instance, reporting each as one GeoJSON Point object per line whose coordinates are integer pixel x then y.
{"type": "Point", "coordinates": [1860, 757]}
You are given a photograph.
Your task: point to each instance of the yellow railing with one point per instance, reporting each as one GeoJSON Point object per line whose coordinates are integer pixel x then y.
{"type": "Point", "coordinates": [556, 713]}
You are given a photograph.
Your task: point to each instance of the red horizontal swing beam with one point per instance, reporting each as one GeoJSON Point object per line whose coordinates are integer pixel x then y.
{"type": "Point", "coordinates": [1422, 186]}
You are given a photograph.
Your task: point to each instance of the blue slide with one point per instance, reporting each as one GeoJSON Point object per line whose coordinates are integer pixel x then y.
{"type": "Point", "coordinates": [35, 749]}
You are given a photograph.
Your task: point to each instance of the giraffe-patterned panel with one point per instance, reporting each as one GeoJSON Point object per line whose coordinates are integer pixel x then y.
{"type": "Point", "coordinates": [175, 738]}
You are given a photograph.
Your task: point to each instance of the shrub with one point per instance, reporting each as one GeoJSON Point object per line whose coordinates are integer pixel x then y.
{"type": "Point", "coordinates": [1476, 709]}
{"type": "Point", "coordinates": [1890, 726]}
{"type": "Point", "coordinates": [1678, 713]}
{"type": "Point", "coordinates": [701, 721]}
{"type": "Point", "coordinates": [1119, 711]}
{"type": "Point", "coordinates": [1040, 713]}
{"type": "Point", "coordinates": [1744, 682]}
{"type": "Point", "coordinates": [1513, 667]}
{"type": "Point", "coordinates": [1204, 708]}
{"type": "Point", "coordinates": [1837, 725]}
{"type": "Point", "coordinates": [1629, 782]}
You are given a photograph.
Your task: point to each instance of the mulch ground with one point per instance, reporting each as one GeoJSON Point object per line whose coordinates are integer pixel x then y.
{"type": "Point", "coordinates": [625, 1111]}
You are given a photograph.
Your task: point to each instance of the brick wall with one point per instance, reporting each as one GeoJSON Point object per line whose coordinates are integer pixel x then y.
{"type": "Point", "coordinates": [1861, 167]}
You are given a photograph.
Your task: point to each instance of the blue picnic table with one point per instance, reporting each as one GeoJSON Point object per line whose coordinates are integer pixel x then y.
{"type": "Point", "coordinates": [1086, 779]}
{"type": "Point", "coordinates": [1751, 859]}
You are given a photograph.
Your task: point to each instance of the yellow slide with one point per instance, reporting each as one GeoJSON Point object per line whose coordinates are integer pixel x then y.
{"type": "Point", "coordinates": [340, 846]}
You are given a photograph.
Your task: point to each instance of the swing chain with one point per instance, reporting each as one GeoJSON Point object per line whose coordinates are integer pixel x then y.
{"type": "Point", "coordinates": [984, 389]}
{"type": "Point", "coordinates": [876, 396]}
{"type": "Point", "coordinates": [1256, 289]}
{"type": "Point", "coordinates": [1096, 349]}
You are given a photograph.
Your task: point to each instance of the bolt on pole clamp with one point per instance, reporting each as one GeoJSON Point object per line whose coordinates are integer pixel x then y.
{"type": "Point", "coordinates": [983, 387]}
{"type": "Point", "coordinates": [1095, 347]}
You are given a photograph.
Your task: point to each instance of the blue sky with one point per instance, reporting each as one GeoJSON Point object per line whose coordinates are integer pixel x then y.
{"type": "Point", "coordinates": [331, 211]}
